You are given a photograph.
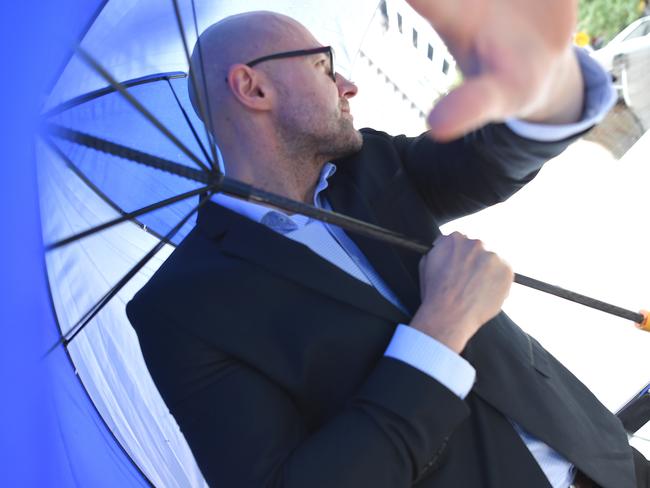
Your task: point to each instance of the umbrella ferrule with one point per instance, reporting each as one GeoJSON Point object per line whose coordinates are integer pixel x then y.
{"type": "Point", "coordinates": [645, 323]}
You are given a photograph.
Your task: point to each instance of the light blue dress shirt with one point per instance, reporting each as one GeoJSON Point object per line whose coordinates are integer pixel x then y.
{"type": "Point", "coordinates": [407, 344]}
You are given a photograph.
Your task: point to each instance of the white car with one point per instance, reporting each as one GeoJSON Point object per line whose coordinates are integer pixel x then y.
{"type": "Point", "coordinates": [634, 37]}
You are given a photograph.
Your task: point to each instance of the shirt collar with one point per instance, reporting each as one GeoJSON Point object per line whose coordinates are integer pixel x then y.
{"type": "Point", "coordinates": [275, 219]}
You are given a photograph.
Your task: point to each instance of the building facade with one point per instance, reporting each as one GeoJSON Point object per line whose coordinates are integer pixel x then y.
{"type": "Point", "coordinates": [401, 69]}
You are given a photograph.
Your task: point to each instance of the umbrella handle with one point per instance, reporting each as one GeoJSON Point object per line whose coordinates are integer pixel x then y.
{"type": "Point", "coordinates": [645, 324]}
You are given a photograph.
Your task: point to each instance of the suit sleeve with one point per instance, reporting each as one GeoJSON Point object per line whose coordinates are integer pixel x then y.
{"type": "Point", "coordinates": [641, 469]}
{"type": "Point", "coordinates": [466, 175]}
{"type": "Point", "coordinates": [247, 431]}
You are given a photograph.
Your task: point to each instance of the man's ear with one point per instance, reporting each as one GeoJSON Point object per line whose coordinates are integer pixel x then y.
{"type": "Point", "coordinates": [250, 87]}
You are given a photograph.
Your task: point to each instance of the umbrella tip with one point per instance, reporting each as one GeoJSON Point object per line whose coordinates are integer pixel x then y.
{"type": "Point", "coordinates": [645, 323]}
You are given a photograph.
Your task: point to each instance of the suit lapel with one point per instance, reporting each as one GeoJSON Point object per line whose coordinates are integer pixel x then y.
{"type": "Point", "coordinates": [255, 243]}
{"type": "Point", "coordinates": [345, 197]}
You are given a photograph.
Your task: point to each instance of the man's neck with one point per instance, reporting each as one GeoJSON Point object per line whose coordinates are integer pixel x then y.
{"type": "Point", "coordinates": [291, 177]}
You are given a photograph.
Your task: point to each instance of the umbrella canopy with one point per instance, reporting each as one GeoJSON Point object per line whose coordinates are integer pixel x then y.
{"type": "Point", "coordinates": [138, 42]}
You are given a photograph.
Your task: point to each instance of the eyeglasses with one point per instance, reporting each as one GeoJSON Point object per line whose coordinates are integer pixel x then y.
{"type": "Point", "coordinates": [302, 52]}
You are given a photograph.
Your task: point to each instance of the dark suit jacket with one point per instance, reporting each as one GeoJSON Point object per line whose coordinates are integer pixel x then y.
{"type": "Point", "coordinates": [271, 359]}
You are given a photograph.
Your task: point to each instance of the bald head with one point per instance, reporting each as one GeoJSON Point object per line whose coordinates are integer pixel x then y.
{"type": "Point", "coordinates": [292, 108]}
{"type": "Point", "coordinates": [238, 39]}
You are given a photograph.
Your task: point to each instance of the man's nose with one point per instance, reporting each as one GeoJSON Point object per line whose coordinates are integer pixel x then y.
{"type": "Point", "coordinates": [346, 88]}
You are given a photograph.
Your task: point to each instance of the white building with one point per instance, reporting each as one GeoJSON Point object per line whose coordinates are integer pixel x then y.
{"type": "Point", "coordinates": [402, 68]}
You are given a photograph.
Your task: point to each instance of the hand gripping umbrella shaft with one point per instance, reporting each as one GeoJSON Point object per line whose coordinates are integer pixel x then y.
{"type": "Point", "coordinates": [247, 192]}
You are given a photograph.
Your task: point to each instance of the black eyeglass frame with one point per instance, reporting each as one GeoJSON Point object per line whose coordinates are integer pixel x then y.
{"type": "Point", "coordinates": [301, 52]}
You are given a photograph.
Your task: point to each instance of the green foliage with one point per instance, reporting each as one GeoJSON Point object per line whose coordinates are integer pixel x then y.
{"type": "Point", "coordinates": [605, 18]}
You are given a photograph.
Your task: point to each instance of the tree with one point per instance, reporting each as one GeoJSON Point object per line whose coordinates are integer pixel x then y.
{"type": "Point", "coordinates": [605, 18]}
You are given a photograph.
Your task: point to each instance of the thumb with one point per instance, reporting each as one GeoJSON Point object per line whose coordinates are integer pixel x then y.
{"type": "Point", "coordinates": [473, 104]}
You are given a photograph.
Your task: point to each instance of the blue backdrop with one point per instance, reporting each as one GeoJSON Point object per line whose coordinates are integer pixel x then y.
{"type": "Point", "coordinates": [50, 434]}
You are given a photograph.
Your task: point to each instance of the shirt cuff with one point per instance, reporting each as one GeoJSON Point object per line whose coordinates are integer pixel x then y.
{"type": "Point", "coordinates": [600, 97]}
{"type": "Point", "coordinates": [433, 358]}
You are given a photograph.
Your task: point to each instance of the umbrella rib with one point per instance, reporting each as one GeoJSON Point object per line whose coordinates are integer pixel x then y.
{"type": "Point", "coordinates": [129, 216]}
{"type": "Point", "coordinates": [129, 153]}
{"type": "Point", "coordinates": [206, 105]}
{"type": "Point", "coordinates": [69, 336]}
{"type": "Point", "coordinates": [191, 126]}
{"type": "Point", "coordinates": [99, 69]}
{"type": "Point", "coordinates": [204, 108]}
{"type": "Point", "coordinates": [85, 389]}
{"type": "Point", "coordinates": [88, 97]}
{"type": "Point", "coordinates": [80, 174]}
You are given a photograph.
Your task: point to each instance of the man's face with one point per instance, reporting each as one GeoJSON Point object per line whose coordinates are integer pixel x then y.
{"type": "Point", "coordinates": [313, 112]}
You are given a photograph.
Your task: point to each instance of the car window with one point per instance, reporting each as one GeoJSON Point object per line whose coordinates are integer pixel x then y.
{"type": "Point", "coordinates": [640, 31]}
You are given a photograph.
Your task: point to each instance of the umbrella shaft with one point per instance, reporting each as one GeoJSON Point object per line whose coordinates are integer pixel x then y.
{"type": "Point", "coordinates": [578, 298]}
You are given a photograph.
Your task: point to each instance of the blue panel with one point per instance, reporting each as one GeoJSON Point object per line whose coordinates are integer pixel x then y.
{"type": "Point", "coordinates": [49, 434]}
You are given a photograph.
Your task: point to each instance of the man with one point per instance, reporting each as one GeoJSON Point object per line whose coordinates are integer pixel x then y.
{"type": "Point", "coordinates": [294, 354]}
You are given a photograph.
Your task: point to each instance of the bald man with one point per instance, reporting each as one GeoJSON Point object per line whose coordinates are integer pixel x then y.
{"type": "Point", "coordinates": [294, 354]}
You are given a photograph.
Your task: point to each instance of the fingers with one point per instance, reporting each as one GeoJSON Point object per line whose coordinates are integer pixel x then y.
{"type": "Point", "coordinates": [510, 52]}
{"type": "Point", "coordinates": [463, 287]}
{"type": "Point", "coordinates": [436, 12]}
{"type": "Point", "coordinates": [473, 104]}
{"type": "Point", "coordinates": [452, 20]}
{"type": "Point", "coordinates": [470, 251]}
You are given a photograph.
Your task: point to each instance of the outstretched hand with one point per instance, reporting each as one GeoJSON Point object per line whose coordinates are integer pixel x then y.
{"type": "Point", "coordinates": [516, 58]}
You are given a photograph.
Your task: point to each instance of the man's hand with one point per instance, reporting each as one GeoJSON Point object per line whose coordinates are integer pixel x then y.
{"type": "Point", "coordinates": [516, 58]}
{"type": "Point", "coordinates": [462, 286]}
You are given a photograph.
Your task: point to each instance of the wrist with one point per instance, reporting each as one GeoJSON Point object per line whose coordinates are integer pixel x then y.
{"type": "Point", "coordinates": [440, 327]}
{"type": "Point", "coordinates": [563, 102]}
